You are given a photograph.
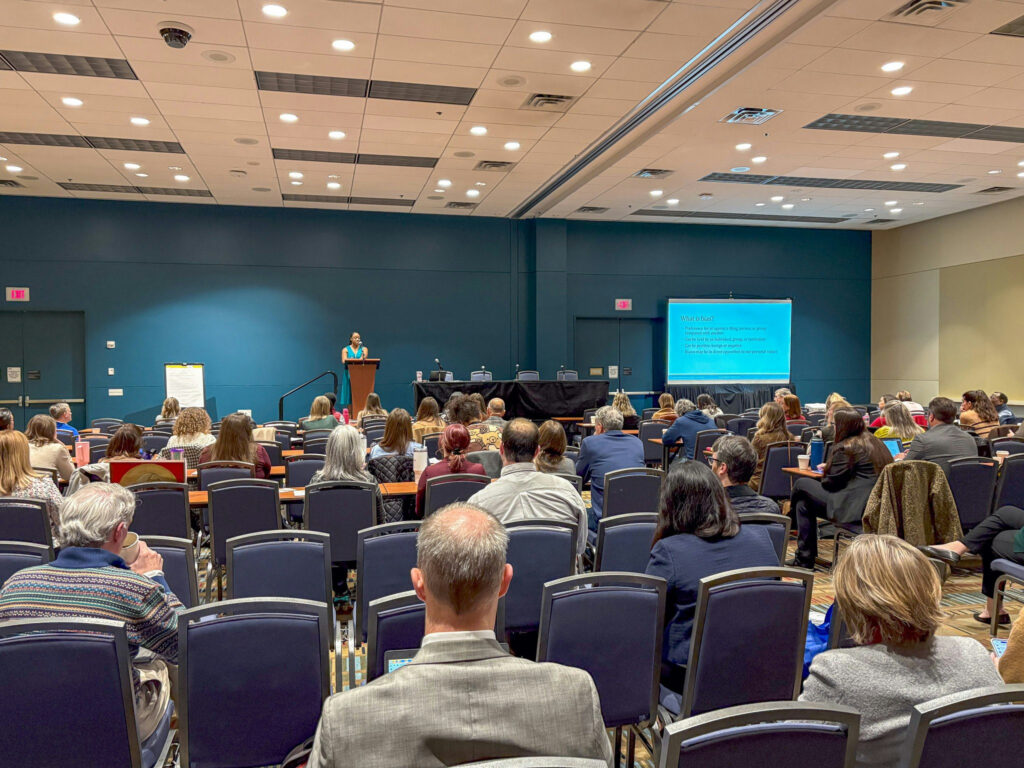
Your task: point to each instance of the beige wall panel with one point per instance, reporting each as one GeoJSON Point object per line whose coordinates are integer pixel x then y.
{"type": "Point", "coordinates": [905, 334]}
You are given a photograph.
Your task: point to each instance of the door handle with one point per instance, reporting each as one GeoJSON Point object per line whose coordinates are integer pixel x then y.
{"type": "Point", "coordinates": [51, 400]}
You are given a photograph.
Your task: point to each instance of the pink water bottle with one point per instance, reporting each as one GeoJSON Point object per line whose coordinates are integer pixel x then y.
{"type": "Point", "coordinates": [344, 414]}
{"type": "Point", "coordinates": [81, 452]}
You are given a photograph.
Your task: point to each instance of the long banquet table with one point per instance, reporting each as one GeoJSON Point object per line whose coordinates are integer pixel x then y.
{"type": "Point", "coordinates": [529, 399]}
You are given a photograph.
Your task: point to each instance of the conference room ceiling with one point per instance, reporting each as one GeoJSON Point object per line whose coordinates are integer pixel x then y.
{"type": "Point", "coordinates": [103, 108]}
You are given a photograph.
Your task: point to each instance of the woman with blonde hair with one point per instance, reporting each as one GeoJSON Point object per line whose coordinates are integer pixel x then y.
{"type": "Point", "coordinates": [622, 404]}
{"type": "Point", "coordinates": [771, 428]}
{"type": "Point", "coordinates": [371, 410]}
{"type": "Point", "coordinates": [551, 457]}
{"type": "Point", "coordinates": [321, 415]}
{"type": "Point", "coordinates": [898, 423]}
{"type": "Point", "coordinates": [397, 438]}
{"type": "Point", "coordinates": [428, 419]}
{"type": "Point", "coordinates": [170, 410]}
{"type": "Point", "coordinates": [666, 408]}
{"type": "Point", "coordinates": [45, 451]}
{"type": "Point", "coordinates": [19, 480]}
{"type": "Point", "coordinates": [889, 596]}
{"type": "Point", "coordinates": [191, 434]}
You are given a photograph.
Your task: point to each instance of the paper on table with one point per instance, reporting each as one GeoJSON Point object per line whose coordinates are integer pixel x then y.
{"type": "Point", "coordinates": [297, 492]}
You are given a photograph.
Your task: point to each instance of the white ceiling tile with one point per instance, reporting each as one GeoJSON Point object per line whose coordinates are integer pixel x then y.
{"type": "Point", "coordinates": [832, 84]}
{"type": "Point", "coordinates": [677, 49]}
{"type": "Point", "coordinates": [372, 122]}
{"type": "Point", "coordinates": [1002, 98]}
{"type": "Point", "coordinates": [319, 14]}
{"type": "Point", "coordinates": [278, 37]}
{"type": "Point", "coordinates": [959, 113]}
{"type": "Point", "coordinates": [614, 14]}
{"type": "Point", "coordinates": [422, 109]}
{"type": "Point", "coordinates": [549, 62]}
{"type": "Point", "coordinates": [890, 37]}
{"type": "Point", "coordinates": [610, 88]}
{"type": "Point", "coordinates": [572, 38]}
{"type": "Point", "coordinates": [428, 51]}
{"type": "Point", "coordinates": [216, 9]}
{"type": "Point", "coordinates": [329, 65]}
{"type": "Point", "coordinates": [53, 41]}
{"type": "Point", "coordinates": [405, 22]}
{"type": "Point", "coordinates": [691, 19]}
{"type": "Point", "coordinates": [212, 75]}
{"type": "Point", "coordinates": [826, 30]}
{"type": "Point", "coordinates": [242, 97]}
{"type": "Point", "coordinates": [486, 116]}
{"type": "Point", "coordinates": [972, 145]}
{"type": "Point", "coordinates": [509, 9]}
{"type": "Point", "coordinates": [589, 105]}
{"type": "Point", "coordinates": [430, 74]}
{"type": "Point", "coordinates": [299, 103]}
{"type": "Point", "coordinates": [139, 49]}
{"type": "Point", "coordinates": [642, 70]}
{"type": "Point", "coordinates": [993, 49]}
{"type": "Point", "coordinates": [847, 61]}
{"type": "Point", "coordinates": [205, 31]}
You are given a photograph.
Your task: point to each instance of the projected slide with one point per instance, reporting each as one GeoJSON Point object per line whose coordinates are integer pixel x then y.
{"type": "Point", "coordinates": [726, 340]}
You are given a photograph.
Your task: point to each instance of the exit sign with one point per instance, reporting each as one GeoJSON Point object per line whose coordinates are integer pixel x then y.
{"type": "Point", "coordinates": [17, 294]}
{"type": "Point", "coordinates": [623, 305]}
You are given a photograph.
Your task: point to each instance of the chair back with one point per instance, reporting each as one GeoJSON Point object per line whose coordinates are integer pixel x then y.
{"type": "Point", "coordinates": [791, 733]}
{"type": "Point", "coordinates": [797, 429]}
{"type": "Point", "coordinates": [340, 508]}
{"type": "Point", "coordinates": [778, 527]}
{"type": "Point", "coordinates": [374, 433]}
{"type": "Point", "coordinates": [395, 468]}
{"type": "Point", "coordinates": [447, 489]}
{"type": "Point", "coordinates": [588, 414]}
{"type": "Point", "coordinates": [706, 439]}
{"type": "Point", "coordinates": [83, 668]}
{"type": "Point", "coordinates": [722, 420]}
{"type": "Point", "coordinates": [179, 566]}
{"type": "Point", "coordinates": [50, 472]}
{"type": "Point", "coordinates": [624, 542]}
{"type": "Point", "coordinates": [154, 442]}
{"type": "Point", "coordinates": [940, 729]}
{"type": "Point", "coordinates": [25, 520]}
{"type": "Point", "coordinates": [252, 678]}
{"type": "Point", "coordinates": [647, 413]}
{"type": "Point", "coordinates": [539, 551]}
{"type": "Point", "coordinates": [1010, 488]}
{"type": "Point", "coordinates": [238, 507]}
{"type": "Point", "coordinates": [775, 484]}
{"type": "Point", "coordinates": [295, 564]}
{"type": "Point", "coordinates": [632, 490]}
{"type": "Point", "coordinates": [288, 427]}
{"type": "Point", "coordinates": [97, 449]}
{"type": "Point", "coordinates": [316, 434]}
{"type": "Point", "coordinates": [314, 445]}
{"type": "Point", "coordinates": [481, 375]}
{"type": "Point", "coordinates": [273, 449]}
{"type": "Point", "coordinates": [298, 470]}
{"type": "Point", "coordinates": [807, 434]}
{"type": "Point", "coordinates": [489, 460]}
{"type": "Point", "coordinates": [65, 437]}
{"type": "Point", "coordinates": [16, 555]}
{"type": "Point", "coordinates": [161, 509]}
{"type": "Point", "coordinates": [528, 376]}
{"type": "Point", "coordinates": [430, 440]}
{"type": "Point", "coordinates": [973, 483]}
{"type": "Point", "coordinates": [747, 642]}
{"type": "Point", "coordinates": [574, 480]}
{"type": "Point", "coordinates": [1014, 445]}
{"type": "Point", "coordinates": [216, 471]}
{"type": "Point", "coordinates": [106, 421]}
{"type": "Point", "coordinates": [384, 555]}
{"type": "Point", "coordinates": [396, 623]}
{"type": "Point", "coordinates": [583, 616]}
{"type": "Point", "coordinates": [650, 430]}
{"type": "Point", "coordinates": [740, 425]}
{"type": "Point", "coordinates": [567, 375]}
{"type": "Point", "coordinates": [163, 429]}
{"type": "Point", "coordinates": [284, 440]}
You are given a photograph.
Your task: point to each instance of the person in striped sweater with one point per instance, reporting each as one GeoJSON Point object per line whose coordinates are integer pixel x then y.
{"type": "Point", "coordinates": [89, 580]}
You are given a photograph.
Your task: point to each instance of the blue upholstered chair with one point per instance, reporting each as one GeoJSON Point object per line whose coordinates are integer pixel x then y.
{"type": "Point", "coordinates": [216, 471]}
{"type": "Point", "coordinates": [973, 483]}
{"type": "Point", "coordinates": [292, 564]}
{"type": "Point", "coordinates": [161, 509]}
{"type": "Point", "coordinates": [624, 542]}
{"type": "Point", "coordinates": [238, 507]}
{"type": "Point", "coordinates": [539, 551]}
{"type": "Point", "coordinates": [299, 469]}
{"type": "Point", "coordinates": [778, 527]}
{"type": "Point", "coordinates": [1010, 488]}
{"type": "Point", "coordinates": [636, 489]}
{"type": "Point", "coordinates": [25, 520]}
{"type": "Point", "coordinates": [528, 376]}
{"type": "Point", "coordinates": [447, 489]}
{"type": "Point", "coordinates": [16, 555]}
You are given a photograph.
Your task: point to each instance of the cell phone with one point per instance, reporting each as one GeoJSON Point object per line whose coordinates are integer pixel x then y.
{"type": "Point", "coordinates": [998, 645]}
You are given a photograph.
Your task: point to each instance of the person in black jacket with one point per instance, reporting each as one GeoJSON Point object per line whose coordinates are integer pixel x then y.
{"type": "Point", "coordinates": [842, 493]}
{"type": "Point", "coordinates": [733, 460]}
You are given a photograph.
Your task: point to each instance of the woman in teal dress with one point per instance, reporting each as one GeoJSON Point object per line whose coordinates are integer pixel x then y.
{"type": "Point", "coordinates": [354, 351]}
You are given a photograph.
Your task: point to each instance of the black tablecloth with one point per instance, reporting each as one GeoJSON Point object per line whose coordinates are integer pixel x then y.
{"type": "Point", "coordinates": [529, 399]}
{"type": "Point", "coordinates": [731, 398]}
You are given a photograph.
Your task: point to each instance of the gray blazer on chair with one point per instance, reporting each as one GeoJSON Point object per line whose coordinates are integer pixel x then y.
{"type": "Point", "coordinates": [459, 701]}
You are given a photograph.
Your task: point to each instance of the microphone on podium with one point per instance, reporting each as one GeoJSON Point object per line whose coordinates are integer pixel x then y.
{"type": "Point", "coordinates": [517, 370]}
{"type": "Point", "coordinates": [438, 364]}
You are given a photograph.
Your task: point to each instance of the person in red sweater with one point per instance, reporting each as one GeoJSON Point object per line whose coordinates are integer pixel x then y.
{"type": "Point", "coordinates": [453, 443]}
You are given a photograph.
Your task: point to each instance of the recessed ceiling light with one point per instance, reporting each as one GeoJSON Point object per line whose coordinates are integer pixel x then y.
{"type": "Point", "coordinates": [67, 19]}
{"type": "Point", "coordinates": [759, 205]}
{"type": "Point", "coordinates": [3, 159]}
{"type": "Point", "coordinates": [173, 167]}
{"type": "Point", "coordinates": [142, 175]}
{"type": "Point", "coordinates": [787, 206]}
{"type": "Point", "coordinates": [778, 199]}
{"type": "Point", "coordinates": [994, 172]}
{"type": "Point", "coordinates": [891, 155]}
{"type": "Point", "coordinates": [343, 45]}
{"type": "Point", "coordinates": [480, 183]}
{"type": "Point", "coordinates": [895, 210]}
{"type": "Point", "coordinates": [740, 169]}
{"type": "Point", "coordinates": [294, 175]}
{"type": "Point", "coordinates": [288, 117]}
{"type": "Point", "coordinates": [890, 203]}
{"type": "Point", "coordinates": [805, 199]}
{"type": "Point", "coordinates": [758, 159]}
{"type": "Point", "coordinates": [14, 169]}
{"type": "Point", "coordinates": [580, 66]}
{"type": "Point", "coordinates": [132, 166]}
{"type": "Point", "coordinates": [1020, 175]}
{"type": "Point", "coordinates": [673, 201]}
{"type": "Point", "coordinates": [472, 193]}
{"type": "Point", "coordinates": [336, 135]}
{"type": "Point", "coordinates": [140, 121]}
{"type": "Point", "coordinates": [540, 36]}
{"type": "Point", "coordinates": [180, 177]}
{"type": "Point", "coordinates": [743, 147]}
{"type": "Point", "coordinates": [898, 166]}
{"type": "Point", "coordinates": [868, 210]}
{"type": "Point", "coordinates": [656, 193]}
{"type": "Point", "coordinates": [478, 130]}
{"type": "Point", "coordinates": [892, 66]}
{"type": "Point", "coordinates": [333, 185]}
{"type": "Point", "coordinates": [1020, 164]}
{"type": "Point", "coordinates": [296, 183]}
{"type": "Point", "coordinates": [903, 90]}
{"type": "Point", "coordinates": [71, 101]}
{"type": "Point", "coordinates": [919, 203]}
{"type": "Point", "coordinates": [439, 190]}
{"type": "Point", "coordinates": [511, 146]}
{"type": "Point", "coordinates": [275, 11]}
{"type": "Point", "coordinates": [333, 176]}
{"type": "Point", "coordinates": [444, 182]}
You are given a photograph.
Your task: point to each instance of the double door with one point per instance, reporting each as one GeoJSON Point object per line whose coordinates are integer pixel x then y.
{"type": "Point", "coordinates": [633, 349]}
{"type": "Point", "coordinates": [42, 362]}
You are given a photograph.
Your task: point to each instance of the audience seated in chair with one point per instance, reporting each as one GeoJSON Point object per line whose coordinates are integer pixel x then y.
{"type": "Point", "coordinates": [235, 443]}
{"type": "Point", "coordinates": [889, 594]}
{"type": "Point", "coordinates": [607, 450]}
{"type": "Point", "coordinates": [321, 415]}
{"type": "Point", "coordinates": [897, 422]}
{"type": "Point", "coordinates": [191, 434]}
{"type": "Point", "coordinates": [371, 410]}
{"type": "Point", "coordinates": [779, 397]}
{"type": "Point", "coordinates": [453, 444]}
{"type": "Point", "coordinates": [733, 460]}
{"type": "Point", "coordinates": [551, 456]}
{"type": "Point", "coordinates": [698, 535]}
{"type": "Point", "coordinates": [484, 435]}
{"type": "Point", "coordinates": [794, 414]}
{"type": "Point", "coordinates": [883, 401]}
{"type": "Point", "coordinates": [397, 438]}
{"type": "Point", "coordinates": [999, 402]}
{"type": "Point", "coordinates": [345, 459]}
{"type": "Point", "coordinates": [496, 413]}
{"type": "Point", "coordinates": [6, 419]}
{"type": "Point", "coordinates": [89, 580]}
{"type": "Point", "coordinates": [19, 480]}
{"type": "Point", "coordinates": [124, 445]}
{"type": "Point", "coordinates": [977, 413]}
{"type": "Point", "coordinates": [666, 408]}
{"type": "Point", "coordinates": [462, 698]}
{"type": "Point", "coordinates": [523, 493]}
{"type": "Point", "coordinates": [707, 404]}
{"type": "Point", "coordinates": [621, 403]}
{"type": "Point", "coordinates": [45, 451]}
{"type": "Point", "coordinates": [61, 413]}
{"type": "Point", "coordinates": [944, 440]}
{"type": "Point", "coordinates": [684, 429]}
{"type": "Point", "coordinates": [428, 419]}
{"type": "Point", "coordinates": [771, 428]}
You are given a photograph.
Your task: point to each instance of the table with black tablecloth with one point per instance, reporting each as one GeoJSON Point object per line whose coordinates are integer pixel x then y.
{"type": "Point", "coordinates": [731, 398]}
{"type": "Point", "coordinates": [529, 399]}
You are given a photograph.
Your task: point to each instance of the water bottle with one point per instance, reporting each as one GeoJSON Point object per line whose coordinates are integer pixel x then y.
{"type": "Point", "coordinates": [817, 452]}
{"type": "Point", "coordinates": [177, 454]}
{"type": "Point", "coordinates": [344, 414]}
{"type": "Point", "coordinates": [419, 460]}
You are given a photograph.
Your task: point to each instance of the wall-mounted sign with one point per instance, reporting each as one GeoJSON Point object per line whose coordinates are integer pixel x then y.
{"type": "Point", "coordinates": [17, 294]}
{"type": "Point", "coordinates": [627, 371]}
{"type": "Point", "coordinates": [623, 305]}
{"type": "Point", "coordinates": [613, 371]}
{"type": "Point", "coordinates": [13, 375]}
{"type": "Point", "coordinates": [597, 371]}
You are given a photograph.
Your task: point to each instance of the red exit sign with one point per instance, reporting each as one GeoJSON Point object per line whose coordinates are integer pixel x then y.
{"type": "Point", "coordinates": [17, 294]}
{"type": "Point", "coordinates": [623, 305]}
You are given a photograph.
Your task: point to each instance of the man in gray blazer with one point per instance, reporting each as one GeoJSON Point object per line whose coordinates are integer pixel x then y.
{"type": "Point", "coordinates": [944, 440]}
{"type": "Point", "coordinates": [462, 698]}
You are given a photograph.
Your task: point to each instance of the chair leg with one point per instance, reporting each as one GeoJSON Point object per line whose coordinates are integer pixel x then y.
{"type": "Point", "coordinates": [997, 605]}
{"type": "Point", "coordinates": [618, 747]}
{"type": "Point", "coordinates": [631, 748]}
{"type": "Point", "coordinates": [209, 577]}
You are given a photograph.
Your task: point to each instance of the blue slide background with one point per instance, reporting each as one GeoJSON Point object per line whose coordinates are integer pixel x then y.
{"type": "Point", "coordinates": [744, 341]}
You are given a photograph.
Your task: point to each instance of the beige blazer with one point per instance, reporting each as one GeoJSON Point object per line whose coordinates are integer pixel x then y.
{"type": "Point", "coordinates": [460, 701]}
{"type": "Point", "coordinates": [52, 456]}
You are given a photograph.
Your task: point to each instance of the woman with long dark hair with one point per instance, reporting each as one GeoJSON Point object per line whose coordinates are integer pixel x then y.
{"type": "Point", "coordinates": [698, 535]}
{"type": "Point", "coordinates": [977, 413]}
{"type": "Point", "coordinates": [551, 443]}
{"type": "Point", "coordinates": [453, 444]}
{"type": "Point", "coordinates": [235, 443]}
{"type": "Point", "coordinates": [841, 494]}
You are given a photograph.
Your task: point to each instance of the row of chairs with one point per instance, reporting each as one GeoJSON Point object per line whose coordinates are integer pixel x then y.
{"type": "Point", "coordinates": [484, 375]}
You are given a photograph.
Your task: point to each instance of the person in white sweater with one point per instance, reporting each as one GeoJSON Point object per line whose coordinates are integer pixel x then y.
{"type": "Point", "coordinates": [888, 594]}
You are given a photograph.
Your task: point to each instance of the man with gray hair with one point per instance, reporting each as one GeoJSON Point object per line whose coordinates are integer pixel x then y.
{"type": "Point", "coordinates": [607, 450]}
{"type": "Point", "coordinates": [61, 413]}
{"type": "Point", "coordinates": [90, 580]}
{"type": "Point", "coordinates": [684, 429]}
{"type": "Point", "coordinates": [462, 698]}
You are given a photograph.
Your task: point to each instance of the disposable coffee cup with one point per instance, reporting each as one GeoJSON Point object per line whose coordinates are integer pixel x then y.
{"type": "Point", "coordinates": [803, 461]}
{"type": "Point", "coordinates": [130, 548]}
{"type": "Point", "coordinates": [1002, 454]}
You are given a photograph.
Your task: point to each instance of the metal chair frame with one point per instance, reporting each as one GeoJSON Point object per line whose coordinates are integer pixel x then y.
{"type": "Point", "coordinates": [189, 549]}
{"type": "Point", "coordinates": [40, 506]}
{"type": "Point", "coordinates": [482, 480]}
{"type": "Point", "coordinates": [630, 518]}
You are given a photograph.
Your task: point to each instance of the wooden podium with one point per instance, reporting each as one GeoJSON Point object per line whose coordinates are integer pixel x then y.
{"type": "Point", "coordinates": [361, 375]}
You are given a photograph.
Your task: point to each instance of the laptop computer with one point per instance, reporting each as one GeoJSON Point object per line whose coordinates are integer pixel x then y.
{"type": "Point", "coordinates": [894, 444]}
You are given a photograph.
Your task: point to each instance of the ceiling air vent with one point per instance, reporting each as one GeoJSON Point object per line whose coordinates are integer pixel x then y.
{"type": "Point", "coordinates": [929, 10]}
{"type": "Point", "coordinates": [1013, 28]}
{"type": "Point", "coordinates": [462, 206]}
{"type": "Point", "coordinates": [993, 190]}
{"type": "Point", "coordinates": [591, 209]}
{"type": "Point", "coordinates": [881, 221]}
{"type": "Point", "coordinates": [652, 173]}
{"type": "Point", "coordinates": [750, 115]}
{"type": "Point", "coordinates": [10, 183]}
{"type": "Point", "coordinates": [494, 165]}
{"type": "Point", "coordinates": [548, 102]}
